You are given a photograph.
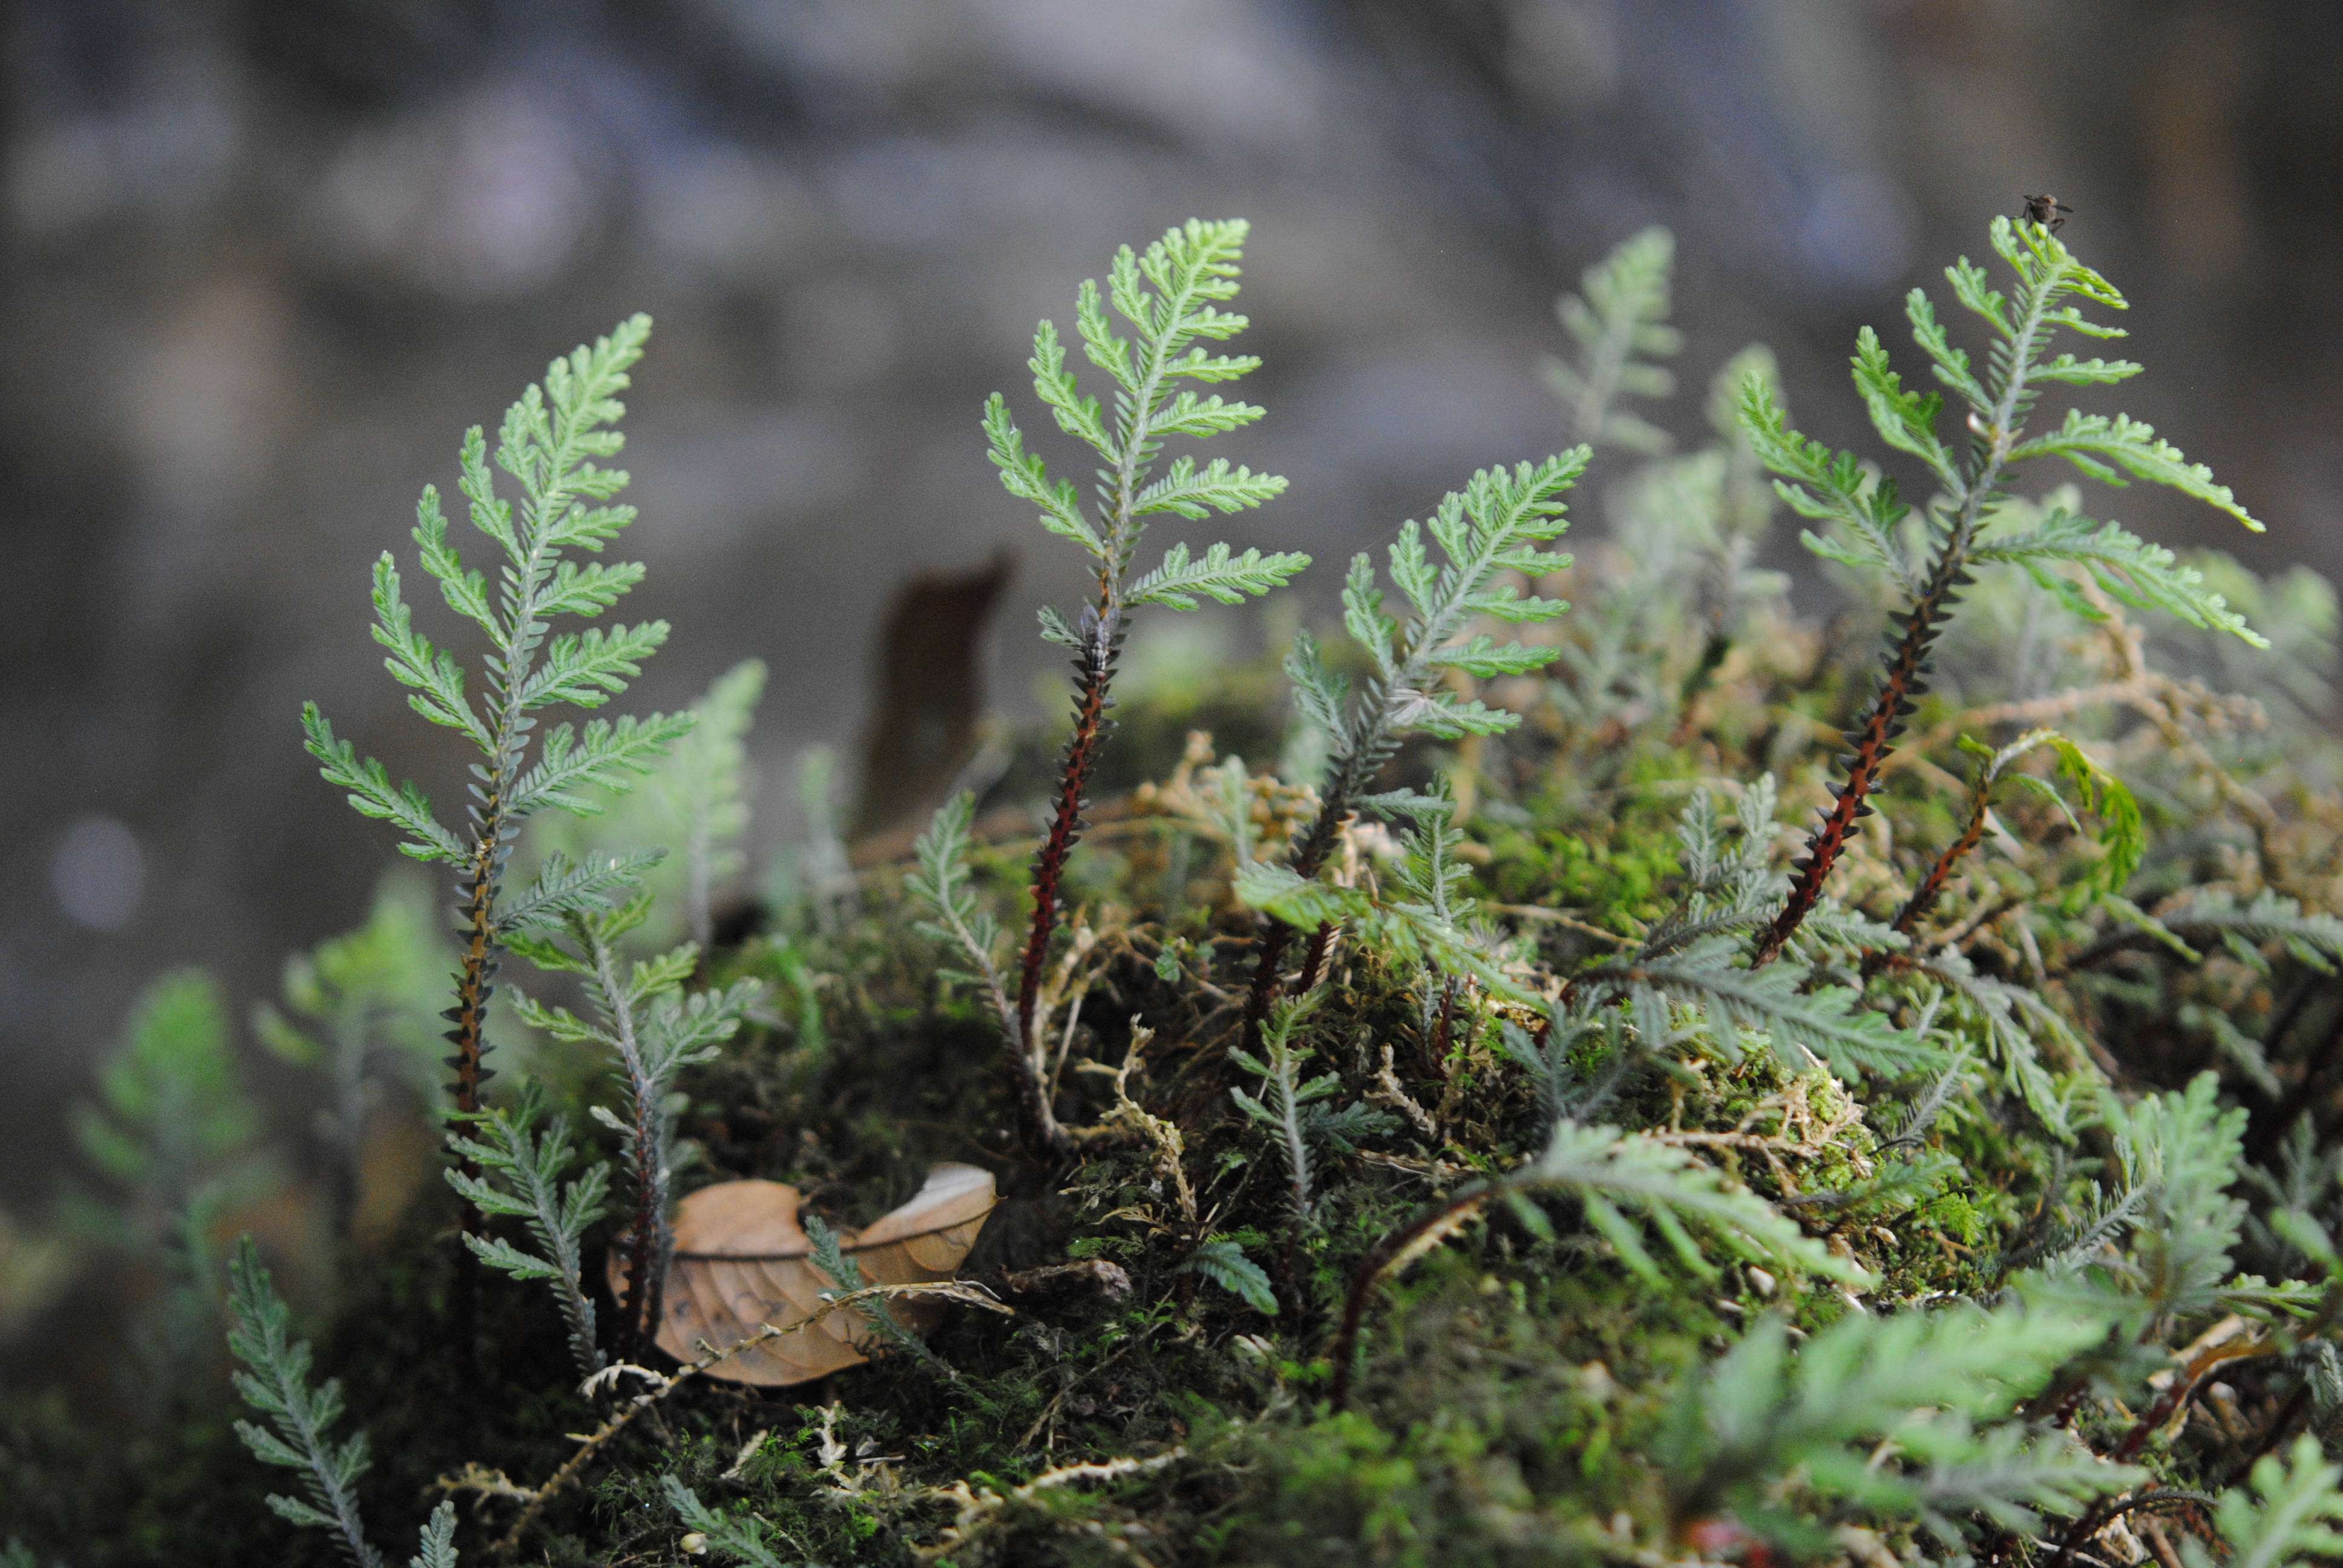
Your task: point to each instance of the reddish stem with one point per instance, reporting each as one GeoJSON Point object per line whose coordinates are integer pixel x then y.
{"type": "Point", "coordinates": [1898, 688]}
{"type": "Point", "coordinates": [1925, 896]}
{"type": "Point", "coordinates": [1101, 636]}
{"type": "Point", "coordinates": [475, 987]}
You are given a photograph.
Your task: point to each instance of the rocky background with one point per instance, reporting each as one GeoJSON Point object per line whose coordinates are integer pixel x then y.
{"type": "Point", "coordinates": [260, 264]}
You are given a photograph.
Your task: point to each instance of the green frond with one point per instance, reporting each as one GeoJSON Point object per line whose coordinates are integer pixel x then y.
{"type": "Point", "coordinates": [2124, 566]}
{"type": "Point", "coordinates": [467, 592]}
{"type": "Point", "coordinates": [437, 680]}
{"type": "Point", "coordinates": [2100, 444]}
{"type": "Point", "coordinates": [1609, 1170]}
{"type": "Point", "coordinates": [1951, 362]}
{"type": "Point", "coordinates": [277, 1385]}
{"type": "Point", "coordinates": [1222, 1260]}
{"type": "Point", "coordinates": [1179, 582]}
{"type": "Point", "coordinates": [604, 756]}
{"type": "Point", "coordinates": [588, 668]}
{"type": "Point", "coordinates": [1827, 487]}
{"type": "Point", "coordinates": [561, 889]}
{"type": "Point", "coordinates": [1704, 975]}
{"type": "Point", "coordinates": [523, 1171]}
{"type": "Point", "coordinates": [742, 1542]}
{"type": "Point", "coordinates": [1188, 415]}
{"type": "Point", "coordinates": [1904, 421]}
{"type": "Point", "coordinates": [2183, 1150]}
{"type": "Point", "coordinates": [371, 795]}
{"type": "Point", "coordinates": [1620, 324]}
{"type": "Point", "coordinates": [1218, 487]}
{"type": "Point", "coordinates": [2287, 1513]}
{"type": "Point", "coordinates": [1923, 1390]}
{"type": "Point", "coordinates": [1024, 476]}
{"type": "Point", "coordinates": [437, 1546]}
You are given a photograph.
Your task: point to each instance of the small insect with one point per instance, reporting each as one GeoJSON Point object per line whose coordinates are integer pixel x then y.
{"type": "Point", "coordinates": [2046, 210]}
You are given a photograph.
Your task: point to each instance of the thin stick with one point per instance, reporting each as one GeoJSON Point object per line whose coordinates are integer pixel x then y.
{"type": "Point", "coordinates": [492, 1482]}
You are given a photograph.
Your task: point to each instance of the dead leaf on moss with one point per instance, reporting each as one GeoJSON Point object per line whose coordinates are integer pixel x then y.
{"type": "Point", "coordinates": [742, 1261]}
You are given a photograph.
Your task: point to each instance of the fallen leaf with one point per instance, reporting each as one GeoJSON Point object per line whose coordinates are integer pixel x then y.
{"type": "Point", "coordinates": [742, 1261]}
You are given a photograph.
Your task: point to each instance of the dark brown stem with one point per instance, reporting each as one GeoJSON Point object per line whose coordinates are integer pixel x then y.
{"type": "Point", "coordinates": [1101, 636]}
{"type": "Point", "coordinates": [646, 1280]}
{"type": "Point", "coordinates": [1903, 681]}
{"type": "Point", "coordinates": [1350, 778]}
{"type": "Point", "coordinates": [2183, 1387]}
{"type": "Point", "coordinates": [1396, 1247]}
{"type": "Point", "coordinates": [1314, 961]}
{"type": "Point", "coordinates": [1925, 895]}
{"type": "Point", "coordinates": [475, 989]}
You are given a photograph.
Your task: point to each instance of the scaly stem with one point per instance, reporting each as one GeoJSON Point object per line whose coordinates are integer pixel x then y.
{"type": "Point", "coordinates": [639, 1318]}
{"type": "Point", "coordinates": [1101, 634]}
{"type": "Point", "coordinates": [1353, 774]}
{"type": "Point", "coordinates": [1925, 896]}
{"type": "Point", "coordinates": [1921, 627]}
{"type": "Point", "coordinates": [1425, 1230]}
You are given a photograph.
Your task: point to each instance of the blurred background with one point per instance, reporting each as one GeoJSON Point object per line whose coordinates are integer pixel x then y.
{"type": "Point", "coordinates": [261, 264]}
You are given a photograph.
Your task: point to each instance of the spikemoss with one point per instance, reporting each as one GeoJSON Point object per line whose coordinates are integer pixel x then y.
{"type": "Point", "coordinates": [1490, 1227]}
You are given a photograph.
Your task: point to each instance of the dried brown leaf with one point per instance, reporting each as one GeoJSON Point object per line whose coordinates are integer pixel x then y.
{"type": "Point", "coordinates": [742, 1261]}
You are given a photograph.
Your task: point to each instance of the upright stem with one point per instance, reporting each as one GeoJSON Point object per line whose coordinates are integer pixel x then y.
{"type": "Point", "coordinates": [1351, 776]}
{"type": "Point", "coordinates": [1909, 663]}
{"type": "Point", "coordinates": [1101, 634]}
{"type": "Point", "coordinates": [494, 831]}
{"type": "Point", "coordinates": [1925, 896]}
{"type": "Point", "coordinates": [646, 1249]}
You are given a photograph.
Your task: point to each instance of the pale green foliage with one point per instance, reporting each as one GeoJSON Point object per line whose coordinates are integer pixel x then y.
{"type": "Point", "coordinates": [439, 1542]}
{"type": "Point", "coordinates": [277, 1385]}
{"type": "Point", "coordinates": [1620, 324]}
{"type": "Point", "coordinates": [363, 1007]}
{"type": "Point", "coordinates": [173, 1112]}
{"type": "Point", "coordinates": [829, 1256]}
{"type": "Point", "coordinates": [1295, 1107]}
{"type": "Point", "coordinates": [1222, 1260]}
{"type": "Point", "coordinates": [1904, 1416]}
{"type": "Point", "coordinates": [2052, 286]}
{"type": "Point", "coordinates": [1687, 980]}
{"type": "Point", "coordinates": [1171, 295]}
{"type": "Point", "coordinates": [2012, 1019]}
{"type": "Point", "coordinates": [1685, 532]}
{"type": "Point", "coordinates": [1491, 529]}
{"type": "Point", "coordinates": [530, 1166]}
{"type": "Point", "coordinates": [1608, 1171]}
{"type": "Point", "coordinates": [2243, 929]}
{"type": "Point", "coordinates": [1485, 531]}
{"type": "Point", "coordinates": [651, 1029]}
{"type": "Point", "coordinates": [964, 923]}
{"type": "Point", "coordinates": [1407, 939]}
{"type": "Point", "coordinates": [2126, 568]}
{"type": "Point", "coordinates": [2122, 835]}
{"type": "Point", "coordinates": [547, 445]}
{"type": "Point", "coordinates": [177, 1136]}
{"type": "Point", "coordinates": [2287, 1512]}
{"type": "Point", "coordinates": [694, 804]}
{"type": "Point", "coordinates": [2183, 1150]}
{"type": "Point", "coordinates": [741, 1543]}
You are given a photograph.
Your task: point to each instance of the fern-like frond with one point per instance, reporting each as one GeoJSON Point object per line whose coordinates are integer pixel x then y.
{"type": "Point", "coordinates": [277, 1385]}
{"type": "Point", "coordinates": [1620, 323]}
{"type": "Point", "coordinates": [2288, 1511]}
{"type": "Point", "coordinates": [1608, 1171]}
{"type": "Point", "coordinates": [2124, 566]}
{"type": "Point", "coordinates": [529, 1167]}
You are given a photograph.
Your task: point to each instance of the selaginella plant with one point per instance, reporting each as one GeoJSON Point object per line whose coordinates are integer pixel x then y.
{"type": "Point", "coordinates": [1929, 559]}
{"type": "Point", "coordinates": [1992, 1220]}
{"type": "Point", "coordinates": [548, 446]}
{"type": "Point", "coordinates": [1170, 296]}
